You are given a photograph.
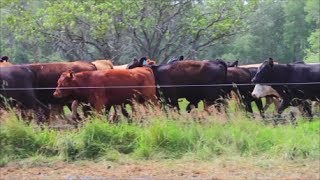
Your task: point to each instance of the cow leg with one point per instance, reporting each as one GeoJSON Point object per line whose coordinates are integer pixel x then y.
{"type": "Point", "coordinates": [174, 103]}
{"type": "Point", "coordinates": [260, 107]}
{"type": "Point", "coordinates": [87, 110]}
{"type": "Point", "coordinates": [192, 104]}
{"type": "Point", "coordinates": [74, 109]}
{"type": "Point", "coordinates": [42, 114]}
{"type": "Point", "coordinates": [268, 103]}
{"type": "Point", "coordinates": [133, 109]}
{"type": "Point", "coordinates": [219, 104]}
{"type": "Point", "coordinates": [25, 115]}
{"type": "Point", "coordinates": [308, 109]}
{"type": "Point", "coordinates": [248, 107]}
{"type": "Point", "coordinates": [56, 111]}
{"type": "Point", "coordinates": [276, 102]}
{"type": "Point", "coordinates": [283, 105]}
{"type": "Point", "coordinates": [189, 107]}
{"type": "Point", "coordinates": [98, 106]}
{"type": "Point", "coordinates": [207, 103]}
{"type": "Point", "coordinates": [110, 117]}
{"type": "Point", "coordinates": [116, 114]}
{"type": "Point", "coordinates": [124, 111]}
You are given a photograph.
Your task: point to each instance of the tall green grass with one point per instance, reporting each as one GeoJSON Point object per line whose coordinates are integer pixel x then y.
{"type": "Point", "coordinates": [161, 138]}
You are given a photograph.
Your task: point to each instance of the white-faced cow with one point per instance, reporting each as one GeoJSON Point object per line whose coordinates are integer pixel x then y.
{"type": "Point", "coordinates": [295, 83]}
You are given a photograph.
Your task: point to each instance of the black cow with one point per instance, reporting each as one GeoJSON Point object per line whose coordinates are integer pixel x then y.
{"type": "Point", "coordinates": [186, 73]}
{"type": "Point", "coordinates": [300, 73]}
{"type": "Point", "coordinates": [21, 81]}
{"type": "Point", "coordinates": [190, 79]}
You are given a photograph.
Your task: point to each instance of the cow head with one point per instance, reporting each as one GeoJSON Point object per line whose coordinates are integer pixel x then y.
{"type": "Point", "coordinates": [175, 59]}
{"type": "Point", "coordinates": [265, 71]}
{"type": "Point", "coordinates": [4, 59]}
{"type": "Point", "coordinates": [64, 83]}
{"type": "Point", "coordinates": [233, 64]}
{"type": "Point", "coordinates": [260, 91]}
{"type": "Point", "coordinates": [137, 63]}
{"type": "Point", "coordinates": [151, 62]}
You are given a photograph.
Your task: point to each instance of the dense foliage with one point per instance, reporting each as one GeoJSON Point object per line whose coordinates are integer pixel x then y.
{"type": "Point", "coordinates": [249, 30]}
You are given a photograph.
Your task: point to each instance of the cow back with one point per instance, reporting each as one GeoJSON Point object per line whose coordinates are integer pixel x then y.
{"type": "Point", "coordinates": [186, 78]}
{"type": "Point", "coordinates": [22, 78]}
{"type": "Point", "coordinates": [4, 64]}
{"type": "Point", "coordinates": [103, 64]}
{"type": "Point", "coordinates": [117, 85]}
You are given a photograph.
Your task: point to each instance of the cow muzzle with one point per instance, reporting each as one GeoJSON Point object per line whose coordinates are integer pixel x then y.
{"type": "Point", "coordinates": [254, 95]}
{"type": "Point", "coordinates": [57, 94]}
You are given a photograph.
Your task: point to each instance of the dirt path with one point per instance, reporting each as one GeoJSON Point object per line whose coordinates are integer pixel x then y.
{"type": "Point", "coordinates": [173, 169]}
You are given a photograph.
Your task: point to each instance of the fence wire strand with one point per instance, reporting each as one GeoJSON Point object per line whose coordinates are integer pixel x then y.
{"type": "Point", "coordinates": [3, 88]}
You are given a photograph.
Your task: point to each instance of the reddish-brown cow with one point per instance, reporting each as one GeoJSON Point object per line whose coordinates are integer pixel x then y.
{"type": "Point", "coordinates": [137, 83]}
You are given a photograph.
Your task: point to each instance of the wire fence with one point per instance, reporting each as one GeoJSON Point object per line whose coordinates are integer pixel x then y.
{"type": "Point", "coordinates": [3, 88]}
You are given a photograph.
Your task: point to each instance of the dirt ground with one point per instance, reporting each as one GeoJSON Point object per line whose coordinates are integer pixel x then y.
{"type": "Point", "coordinates": [166, 169]}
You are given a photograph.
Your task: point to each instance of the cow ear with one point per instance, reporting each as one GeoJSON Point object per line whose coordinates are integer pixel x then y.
{"type": "Point", "coordinates": [271, 62]}
{"type": "Point", "coordinates": [70, 74]}
{"type": "Point", "coordinates": [143, 60]}
{"type": "Point", "coordinates": [236, 63]}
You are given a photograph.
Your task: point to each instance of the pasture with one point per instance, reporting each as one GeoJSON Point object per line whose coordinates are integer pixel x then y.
{"type": "Point", "coordinates": [135, 89]}
{"type": "Point", "coordinates": [164, 141]}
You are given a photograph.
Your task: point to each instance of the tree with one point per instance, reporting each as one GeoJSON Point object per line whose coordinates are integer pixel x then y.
{"type": "Point", "coordinates": [296, 29]}
{"type": "Point", "coordinates": [313, 17]}
{"type": "Point", "coordinates": [276, 29]}
{"type": "Point", "coordinates": [119, 30]}
{"type": "Point", "coordinates": [263, 37]}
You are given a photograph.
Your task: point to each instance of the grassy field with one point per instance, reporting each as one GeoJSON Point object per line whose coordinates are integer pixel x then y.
{"type": "Point", "coordinates": [156, 136]}
{"type": "Point", "coordinates": [161, 138]}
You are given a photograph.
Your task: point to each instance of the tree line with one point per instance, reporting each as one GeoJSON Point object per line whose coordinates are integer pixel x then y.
{"type": "Point", "coordinates": [244, 30]}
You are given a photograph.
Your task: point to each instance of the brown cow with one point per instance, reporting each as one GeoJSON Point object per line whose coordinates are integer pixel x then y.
{"type": "Point", "coordinates": [100, 65]}
{"type": "Point", "coordinates": [4, 61]}
{"type": "Point", "coordinates": [100, 97]}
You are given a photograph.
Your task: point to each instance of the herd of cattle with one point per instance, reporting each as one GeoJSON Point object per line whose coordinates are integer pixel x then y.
{"type": "Point", "coordinates": [102, 85]}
